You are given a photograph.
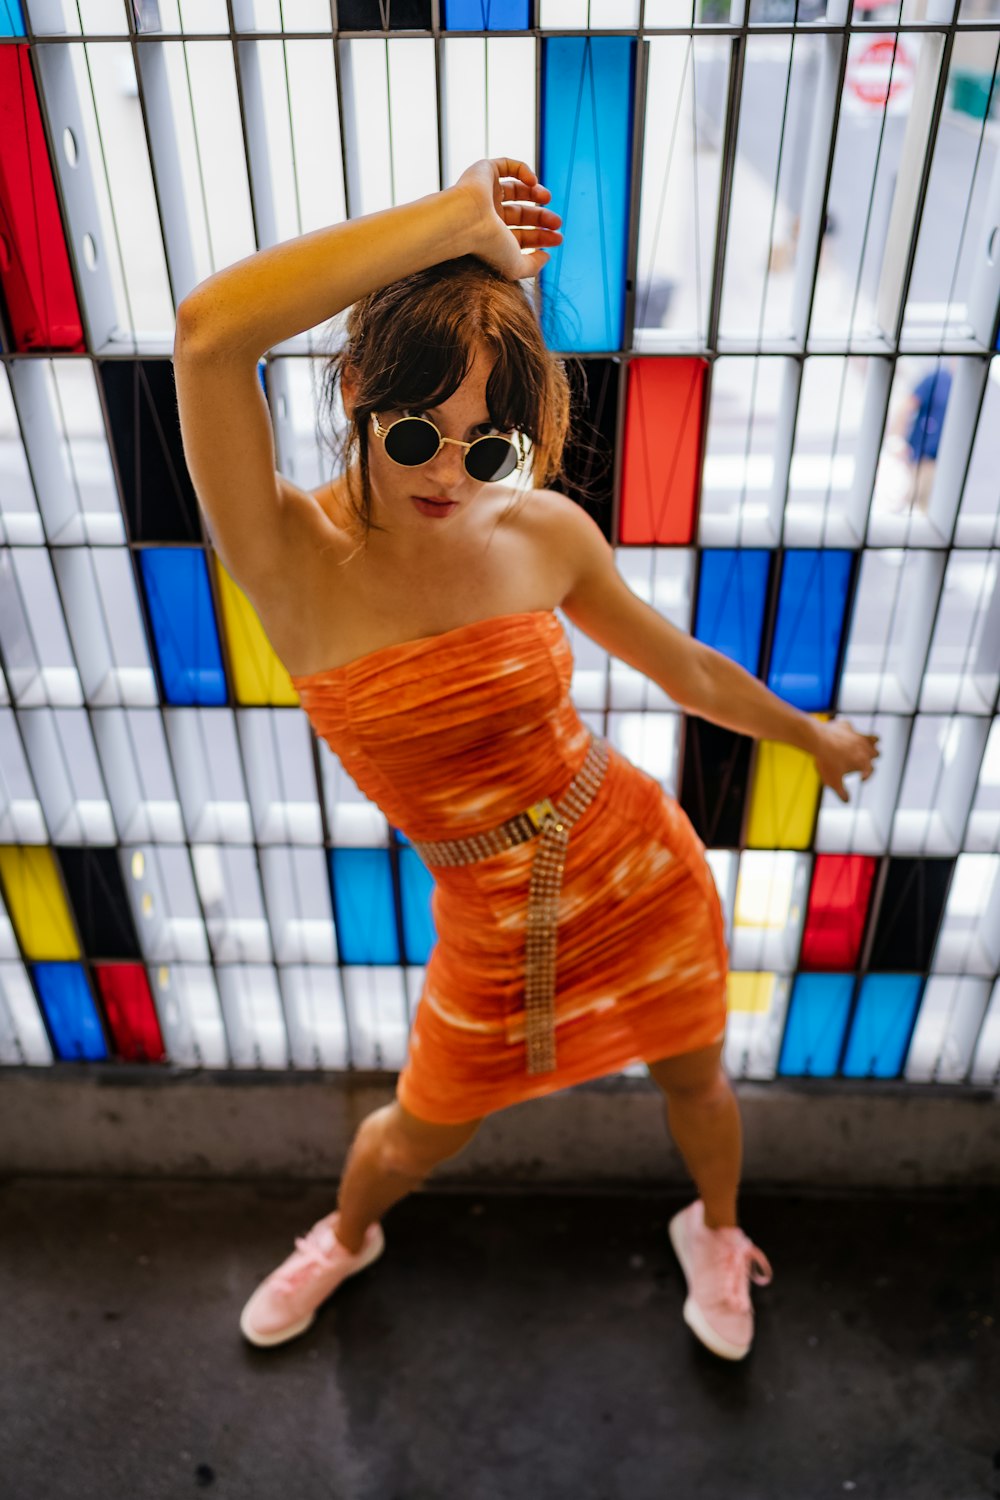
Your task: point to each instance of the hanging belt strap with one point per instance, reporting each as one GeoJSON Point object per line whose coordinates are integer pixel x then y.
{"type": "Point", "coordinates": [552, 823]}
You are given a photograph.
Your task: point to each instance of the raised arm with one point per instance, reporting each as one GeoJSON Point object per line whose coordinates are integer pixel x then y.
{"type": "Point", "coordinates": [258, 519]}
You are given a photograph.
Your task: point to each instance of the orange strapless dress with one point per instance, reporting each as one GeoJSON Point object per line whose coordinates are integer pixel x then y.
{"type": "Point", "coordinates": [455, 733]}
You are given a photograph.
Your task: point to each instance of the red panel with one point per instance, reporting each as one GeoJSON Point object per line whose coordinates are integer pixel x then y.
{"type": "Point", "coordinates": [34, 265]}
{"type": "Point", "coordinates": [131, 1012]}
{"type": "Point", "coordinates": [838, 905]}
{"type": "Point", "coordinates": [662, 459]}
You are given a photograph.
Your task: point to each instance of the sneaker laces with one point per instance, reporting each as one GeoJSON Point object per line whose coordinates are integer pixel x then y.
{"type": "Point", "coordinates": [311, 1255]}
{"type": "Point", "coordinates": [741, 1263]}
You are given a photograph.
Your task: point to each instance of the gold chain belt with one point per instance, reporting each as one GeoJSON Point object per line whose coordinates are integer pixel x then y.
{"type": "Point", "coordinates": [553, 823]}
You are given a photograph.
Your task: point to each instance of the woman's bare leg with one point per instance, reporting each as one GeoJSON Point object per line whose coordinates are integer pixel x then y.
{"type": "Point", "coordinates": [703, 1117]}
{"type": "Point", "coordinates": [392, 1152]}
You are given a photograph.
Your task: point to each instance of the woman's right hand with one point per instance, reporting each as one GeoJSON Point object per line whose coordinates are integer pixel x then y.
{"type": "Point", "coordinates": [500, 228]}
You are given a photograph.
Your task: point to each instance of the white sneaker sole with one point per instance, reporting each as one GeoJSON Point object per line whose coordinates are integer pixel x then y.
{"type": "Point", "coordinates": [693, 1315]}
{"type": "Point", "coordinates": [282, 1335]}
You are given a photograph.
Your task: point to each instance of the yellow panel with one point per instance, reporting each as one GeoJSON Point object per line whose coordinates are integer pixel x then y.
{"type": "Point", "coordinates": [258, 675]}
{"type": "Point", "coordinates": [785, 794]}
{"type": "Point", "coordinates": [34, 895]}
{"type": "Point", "coordinates": [753, 993]}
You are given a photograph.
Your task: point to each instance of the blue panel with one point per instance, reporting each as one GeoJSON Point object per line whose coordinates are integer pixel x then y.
{"type": "Point", "coordinates": [180, 608]}
{"type": "Point", "coordinates": [419, 932]}
{"type": "Point", "coordinates": [363, 906]}
{"type": "Point", "coordinates": [731, 592]}
{"type": "Point", "coordinates": [69, 1008]}
{"type": "Point", "coordinates": [882, 1025]}
{"type": "Point", "coordinates": [11, 19]}
{"type": "Point", "coordinates": [585, 160]}
{"type": "Point", "coordinates": [486, 15]}
{"type": "Point", "coordinates": [815, 1029]}
{"type": "Point", "coordinates": [811, 609]}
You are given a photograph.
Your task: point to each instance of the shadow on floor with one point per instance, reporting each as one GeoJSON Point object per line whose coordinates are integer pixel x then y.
{"type": "Point", "coordinates": [503, 1348]}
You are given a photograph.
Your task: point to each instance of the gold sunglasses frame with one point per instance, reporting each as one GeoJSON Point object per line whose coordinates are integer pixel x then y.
{"type": "Point", "coordinates": [383, 433]}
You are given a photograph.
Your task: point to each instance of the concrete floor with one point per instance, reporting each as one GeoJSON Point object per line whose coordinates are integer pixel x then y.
{"type": "Point", "coordinates": [504, 1348]}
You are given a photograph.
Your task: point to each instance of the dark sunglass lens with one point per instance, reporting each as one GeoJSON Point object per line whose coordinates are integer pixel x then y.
{"type": "Point", "coordinates": [411, 440]}
{"type": "Point", "coordinates": [491, 458]}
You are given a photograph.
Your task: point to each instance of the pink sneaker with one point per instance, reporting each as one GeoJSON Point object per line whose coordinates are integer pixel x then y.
{"type": "Point", "coordinates": [285, 1304]}
{"type": "Point", "coordinates": [719, 1265]}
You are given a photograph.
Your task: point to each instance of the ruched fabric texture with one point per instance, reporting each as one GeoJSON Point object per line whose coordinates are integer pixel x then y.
{"type": "Point", "coordinates": [454, 733]}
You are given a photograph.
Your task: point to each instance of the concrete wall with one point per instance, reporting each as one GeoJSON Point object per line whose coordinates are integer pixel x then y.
{"type": "Point", "coordinates": [92, 1119]}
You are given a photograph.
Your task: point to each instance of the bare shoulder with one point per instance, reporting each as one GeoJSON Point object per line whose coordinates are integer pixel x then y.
{"type": "Point", "coordinates": [570, 534]}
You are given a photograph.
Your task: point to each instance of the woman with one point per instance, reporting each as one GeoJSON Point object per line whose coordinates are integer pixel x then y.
{"type": "Point", "coordinates": [413, 601]}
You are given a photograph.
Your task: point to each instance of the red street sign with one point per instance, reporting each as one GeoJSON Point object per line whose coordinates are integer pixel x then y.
{"type": "Point", "coordinates": [880, 71]}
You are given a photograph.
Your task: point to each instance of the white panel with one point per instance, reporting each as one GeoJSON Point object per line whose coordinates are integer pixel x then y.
{"type": "Point", "coordinates": [63, 759]}
{"type": "Point", "coordinates": [137, 772]}
{"type": "Point", "coordinates": [209, 774]}
{"type": "Point", "coordinates": [390, 121]}
{"type": "Point", "coordinates": [168, 15]}
{"type": "Point", "coordinates": [862, 825]}
{"type": "Point", "coordinates": [969, 940]}
{"type": "Point", "coordinates": [190, 1015]}
{"type": "Point", "coordinates": [588, 15]}
{"type": "Point", "coordinates": [298, 902]}
{"type": "Point", "coordinates": [315, 1016]}
{"type": "Point", "coordinates": [826, 506]}
{"type": "Point", "coordinates": [293, 139]}
{"type": "Point", "coordinates": [251, 1005]}
{"type": "Point", "coordinates": [650, 741]}
{"type": "Point", "coordinates": [36, 646]}
{"type": "Point", "coordinates": [21, 817]}
{"type": "Point", "coordinates": [663, 577]}
{"type": "Point", "coordinates": [161, 889]}
{"type": "Point", "coordinates": [765, 261]}
{"type": "Point", "coordinates": [771, 892]}
{"type": "Point", "coordinates": [277, 753]}
{"type": "Point", "coordinates": [894, 611]}
{"type": "Point", "coordinates": [591, 664]}
{"type": "Point", "coordinates": [986, 1061]}
{"type": "Point", "coordinates": [229, 888]}
{"type": "Point", "coordinates": [67, 445]}
{"type": "Point", "coordinates": [978, 523]}
{"type": "Point", "coordinates": [281, 15]}
{"type": "Point", "coordinates": [983, 832]}
{"type": "Point", "coordinates": [753, 1037]}
{"type": "Point", "coordinates": [73, 17]}
{"type": "Point", "coordinates": [487, 101]}
{"type": "Point", "coordinates": [724, 865]}
{"type": "Point", "coordinates": [302, 428]}
{"type": "Point", "coordinates": [20, 522]}
{"type": "Point", "coordinates": [741, 497]}
{"type": "Point", "coordinates": [353, 819]}
{"type": "Point", "coordinates": [23, 1038]}
{"type": "Point", "coordinates": [102, 610]}
{"type": "Point", "coordinates": [377, 1015]}
{"type": "Point", "coordinates": [938, 784]}
{"type": "Point", "coordinates": [948, 1023]}
{"type": "Point", "coordinates": [963, 668]}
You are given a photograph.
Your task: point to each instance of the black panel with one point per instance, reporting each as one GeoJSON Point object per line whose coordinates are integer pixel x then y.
{"type": "Point", "coordinates": [588, 458]}
{"type": "Point", "coordinates": [160, 501]}
{"type": "Point", "coordinates": [384, 15]}
{"type": "Point", "coordinates": [909, 914]}
{"type": "Point", "coordinates": [714, 781]}
{"type": "Point", "coordinates": [103, 916]}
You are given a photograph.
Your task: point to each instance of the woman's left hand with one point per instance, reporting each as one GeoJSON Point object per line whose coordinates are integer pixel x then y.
{"type": "Point", "coordinates": [509, 213]}
{"type": "Point", "coordinates": [843, 749]}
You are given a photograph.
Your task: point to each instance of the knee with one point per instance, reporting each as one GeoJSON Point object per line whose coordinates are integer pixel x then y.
{"type": "Point", "coordinates": [401, 1152]}
{"type": "Point", "coordinates": [713, 1090]}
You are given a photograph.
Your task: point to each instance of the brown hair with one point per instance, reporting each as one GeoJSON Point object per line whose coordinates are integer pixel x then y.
{"type": "Point", "coordinates": [412, 343]}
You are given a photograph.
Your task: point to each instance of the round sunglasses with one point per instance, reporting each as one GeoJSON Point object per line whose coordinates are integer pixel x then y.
{"type": "Point", "coordinates": [411, 441]}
